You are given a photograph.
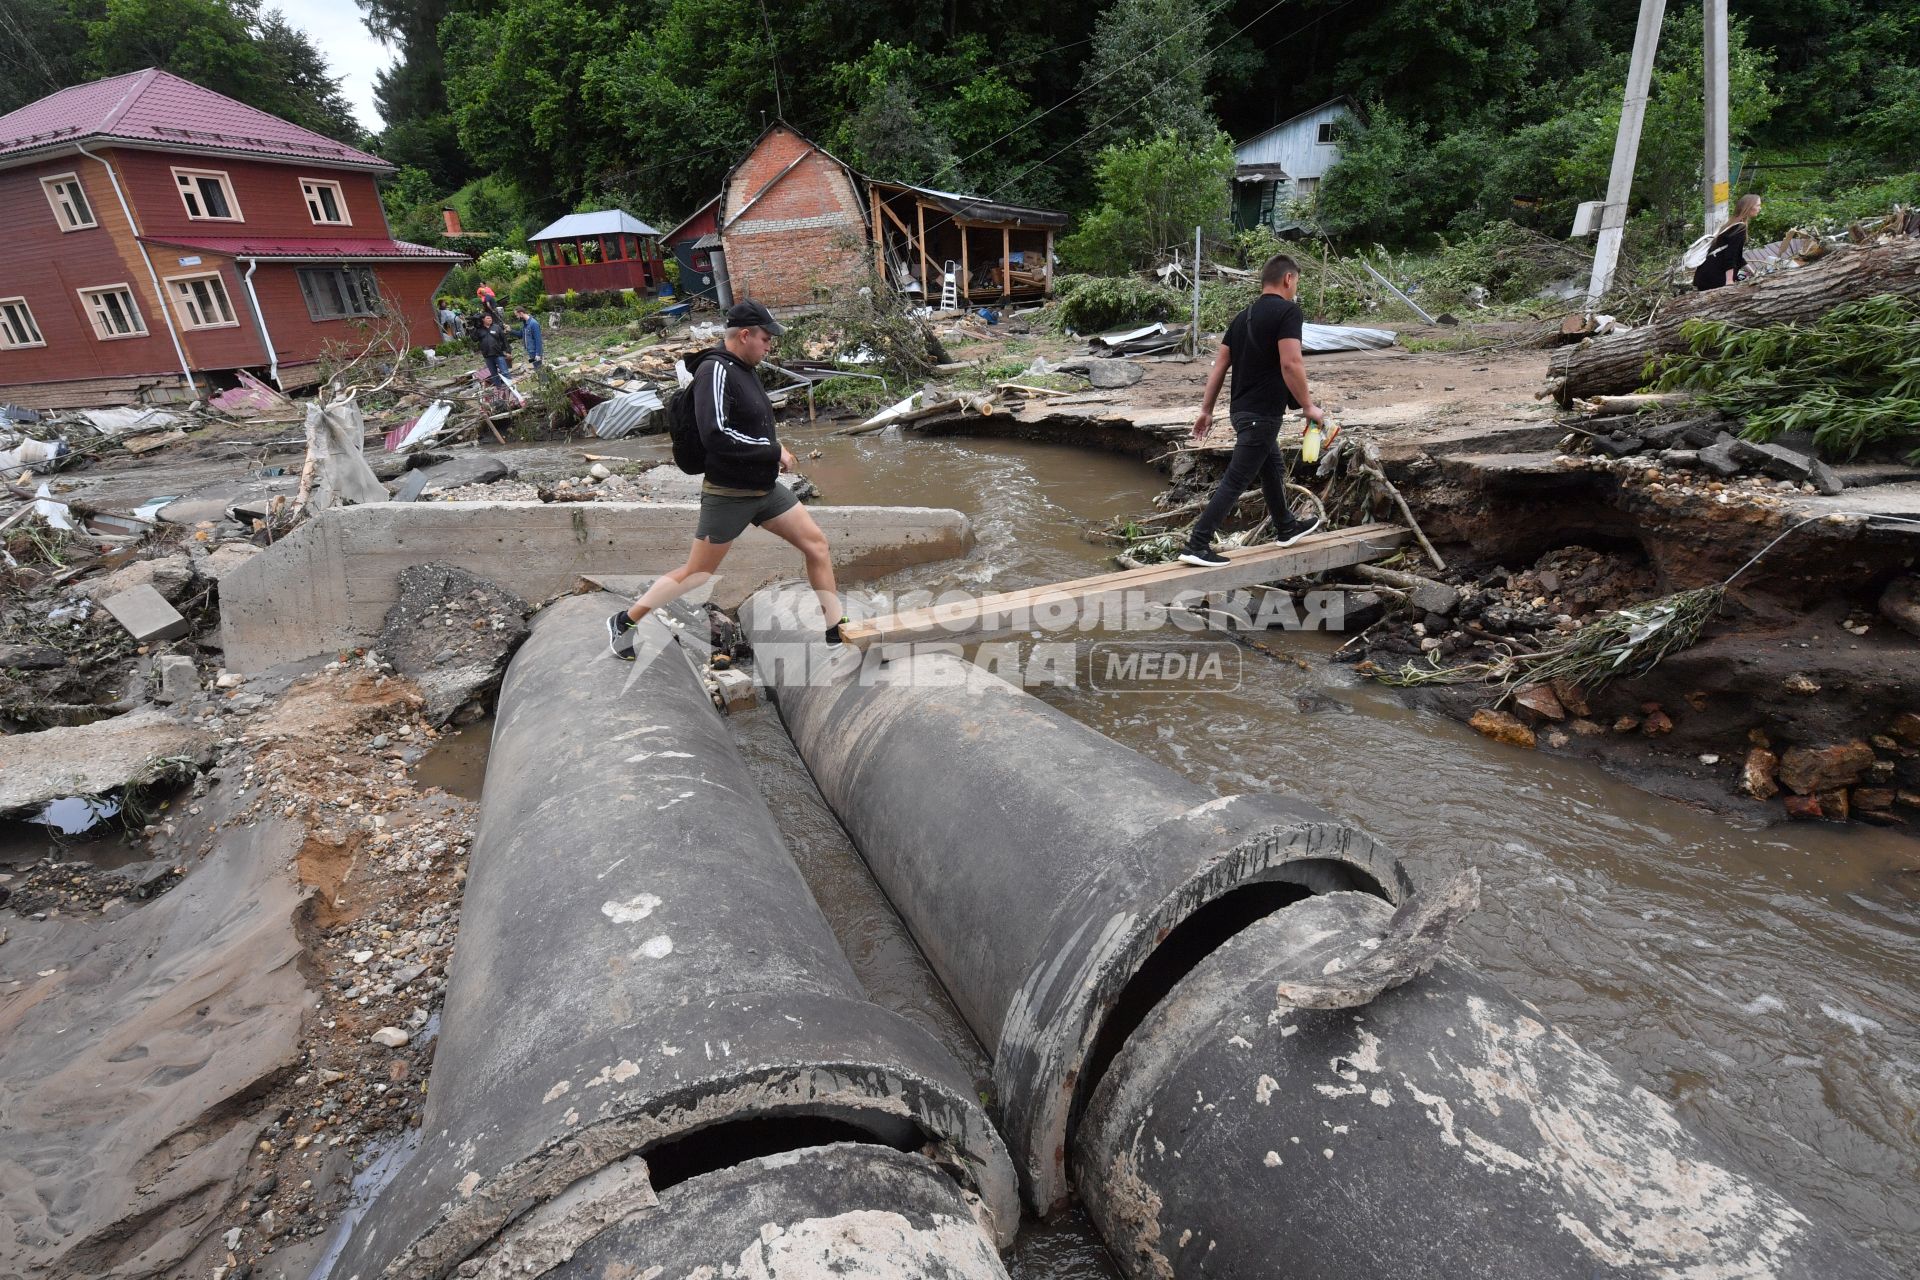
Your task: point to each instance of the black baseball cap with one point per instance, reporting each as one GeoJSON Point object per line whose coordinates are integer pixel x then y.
{"type": "Point", "coordinates": [752, 315]}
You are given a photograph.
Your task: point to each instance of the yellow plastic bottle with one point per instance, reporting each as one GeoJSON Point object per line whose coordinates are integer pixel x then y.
{"type": "Point", "coordinates": [1310, 443]}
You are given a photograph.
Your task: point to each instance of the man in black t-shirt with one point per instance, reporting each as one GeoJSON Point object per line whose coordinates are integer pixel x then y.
{"type": "Point", "coordinates": [1262, 347]}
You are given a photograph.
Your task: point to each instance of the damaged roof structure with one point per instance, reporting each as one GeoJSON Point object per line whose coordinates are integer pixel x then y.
{"type": "Point", "coordinates": [796, 224]}
{"type": "Point", "coordinates": [160, 232]}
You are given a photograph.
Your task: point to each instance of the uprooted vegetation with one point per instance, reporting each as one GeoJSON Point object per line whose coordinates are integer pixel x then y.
{"type": "Point", "coordinates": [1851, 377]}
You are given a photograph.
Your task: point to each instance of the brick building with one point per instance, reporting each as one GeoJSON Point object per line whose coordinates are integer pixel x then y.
{"type": "Point", "coordinates": [159, 236]}
{"type": "Point", "coordinates": [796, 225]}
{"type": "Point", "coordinates": [792, 223]}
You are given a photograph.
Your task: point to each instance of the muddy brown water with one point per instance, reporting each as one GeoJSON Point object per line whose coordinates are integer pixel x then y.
{"type": "Point", "coordinates": [1761, 980]}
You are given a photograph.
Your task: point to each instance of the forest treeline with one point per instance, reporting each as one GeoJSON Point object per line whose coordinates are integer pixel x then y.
{"type": "Point", "coordinates": [1473, 110]}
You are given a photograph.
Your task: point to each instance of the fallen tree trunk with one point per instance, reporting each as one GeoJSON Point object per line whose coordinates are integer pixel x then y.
{"type": "Point", "coordinates": [1617, 362]}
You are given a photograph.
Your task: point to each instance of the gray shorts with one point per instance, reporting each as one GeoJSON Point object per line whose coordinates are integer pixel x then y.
{"type": "Point", "coordinates": [723, 519]}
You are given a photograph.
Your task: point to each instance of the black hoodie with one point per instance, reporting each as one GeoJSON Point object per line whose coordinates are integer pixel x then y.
{"type": "Point", "coordinates": [736, 423]}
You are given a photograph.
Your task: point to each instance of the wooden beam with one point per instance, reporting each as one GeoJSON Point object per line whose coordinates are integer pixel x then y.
{"type": "Point", "coordinates": [984, 618]}
{"type": "Point", "coordinates": [966, 292]}
{"type": "Point", "coordinates": [1006, 261]}
{"type": "Point", "coordinates": [905, 230]}
{"type": "Point", "coordinates": [1049, 262]}
{"type": "Point", "coordinates": [926, 270]}
{"type": "Point", "coordinates": [879, 240]}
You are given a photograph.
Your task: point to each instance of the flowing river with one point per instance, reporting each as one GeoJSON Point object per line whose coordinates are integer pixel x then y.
{"type": "Point", "coordinates": [1762, 980]}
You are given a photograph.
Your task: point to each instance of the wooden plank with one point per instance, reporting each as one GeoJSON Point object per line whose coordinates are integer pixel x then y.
{"type": "Point", "coordinates": [966, 277]}
{"type": "Point", "coordinates": [984, 618]}
{"type": "Point", "coordinates": [926, 269]}
{"type": "Point", "coordinates": [1006, 261]}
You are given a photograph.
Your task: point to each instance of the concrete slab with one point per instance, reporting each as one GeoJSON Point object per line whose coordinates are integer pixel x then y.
{"type": "Point", "coordinates": [89, 759]}
{"type": "Point", "coordinates": [146, 614]}
{"type": "Point", "coordinates": [328, 585]}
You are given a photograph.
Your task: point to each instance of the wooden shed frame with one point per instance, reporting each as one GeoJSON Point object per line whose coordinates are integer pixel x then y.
{"type": "Point", "coordinates": [916, 231]}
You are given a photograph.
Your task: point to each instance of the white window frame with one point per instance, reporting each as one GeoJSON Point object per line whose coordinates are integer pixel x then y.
{"type": "Point", "coordinates": [6, 341]}
{"type": "Point", "coordinates": [1324, 135]}
{"type": "Point", "coordinates": [186, 306]}
{"type": "Point", "coordinates": [62, 206]}
{"type": "Point", "coordinates": [100, 331]}
{"type": "Point", "coordinates": [189, 204]}
{"type": "Point", "coordinates": [307, 186]}
{"type": "Point", "coordinates": [1305, 187]}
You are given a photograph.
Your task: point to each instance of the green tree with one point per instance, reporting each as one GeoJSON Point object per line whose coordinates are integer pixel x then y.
{"type": "Point", "coordinates": [43, 46]}
{"type": "Point", "coordinates": [1148, 72]}
{"type": "Point", "coordinates": [1152, 195]}
{"type": "Point", "coordinates": [228, 46]}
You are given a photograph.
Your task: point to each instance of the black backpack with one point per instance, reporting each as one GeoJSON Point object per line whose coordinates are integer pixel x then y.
{"type": "Point", "coordinates": [689, 452]}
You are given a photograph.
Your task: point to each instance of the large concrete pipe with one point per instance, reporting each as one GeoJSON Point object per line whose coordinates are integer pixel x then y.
{"type": "Point", "coordinates": [1269, 1118]}
{"type": "Point", "coordinates": [1204, 997]}
{"type": "Point", "coordinates": [645, 997]}
{"type": "Point", "coordinates": [1038, 864]}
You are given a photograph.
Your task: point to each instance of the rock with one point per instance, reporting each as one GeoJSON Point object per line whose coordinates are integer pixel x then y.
{"type": "Point", "coordinates": [1807, 770]}
{"type": "Point", "coordinates": [1626, 724]}
{"type": "Point", "coordinates": [1803, 808]}
{"type": "Point", "coordinates": [1719, 459]}
{"type": "Point", "coordinates": [1907, 799]}
{"type": "Point", "coordinates": [170, 576]}
{"type": "Point", "coordinates": [1872, 798]}
{"type": "Point", "coordinates": [1110, 375]}
{"type": "Point", "coordinates": [1571, 696]}
{"type": "Point", "coordinates": [224, 559]}
{"type": "Point", "coordinates": [90, 759]}
{"type": "Point", "coordinates": [402, 976]}
{"type": "Point", "coordinates": [1502, 726]}
{"type": "Point", "coordinates": [1787, 464]}
{"type": "Point", "coordinates": [599, 471]}
{"type": "Point", "coordinates": [229, 680]}
{"type": "Point", "coordinates": [1686, 459]}
{"type": "Point", "coordinates": [1757, 774]}
{"type": "Point", "coordinates": [391, 1037]}
{"type": "Point", "coordinates": [1656, 724]}
{"type": "Point", "coordinates": [175, 679]}
{"type": "Point", "coordinates": [1834, 805]}
{"type": "Point", "coordinates": [472, 469]}
{"type": "Point", "coordinates": [146, 615]}
{"type": "Point", "coordinates": [1900, 604]}
{"type": "Point", "coordinates": [1540, 700]}
{"type": "Point", "coordinates": [1800, 685]}
{"type": "Point", "coordinates": [31, 657]}
{"type": "Point", "coordinates": [442, 607]}
{"type": "Point", "coordinates": [1906, 727]}
{"type": "Point", "coordinates": [735, 689]}
{"type": "Point", "coordinates": [1587, 728]}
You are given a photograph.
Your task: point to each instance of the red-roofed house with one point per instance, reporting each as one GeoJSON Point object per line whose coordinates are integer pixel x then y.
{"type": "Point", "coordinates": [159, 235]}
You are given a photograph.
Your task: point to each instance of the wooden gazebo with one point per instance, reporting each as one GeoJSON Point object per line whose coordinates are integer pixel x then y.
{"type": "Point", "coordinates": [1000, 252]}
{"type": "Point", "coordinates": [609, 249]}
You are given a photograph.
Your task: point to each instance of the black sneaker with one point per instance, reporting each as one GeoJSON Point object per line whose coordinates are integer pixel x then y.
{"type": "Point", "coordinates": [834, 639]}
{"type": "Point", "coordinates": [1295, 531]}
{"type": "Point", "coordinates": [1204, 559]}
{"type": "Point", "coordinates": [620, 636]}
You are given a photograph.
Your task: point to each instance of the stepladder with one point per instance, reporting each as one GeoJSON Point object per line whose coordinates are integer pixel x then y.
{"type": "Point", "coordinates": [950, 286]}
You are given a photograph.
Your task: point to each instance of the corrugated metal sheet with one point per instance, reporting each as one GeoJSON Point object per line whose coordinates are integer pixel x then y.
{"type": "Point", "coordinates": [161, 109]}
{"type": "Point", "coordinates": [603, 222]}
{"type": "Point", "coordinates": [624, 414]}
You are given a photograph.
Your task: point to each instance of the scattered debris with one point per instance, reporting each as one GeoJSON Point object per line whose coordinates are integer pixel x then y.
{"type": "Point", "coordinates": [452, 632]}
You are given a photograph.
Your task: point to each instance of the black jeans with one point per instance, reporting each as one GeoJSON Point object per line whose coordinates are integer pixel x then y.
{"type": "Point", "coordinates": [1256, 456]}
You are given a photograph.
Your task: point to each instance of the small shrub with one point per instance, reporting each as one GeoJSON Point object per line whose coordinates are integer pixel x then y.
{"type": "Point", "coordinates": [1091, 304]}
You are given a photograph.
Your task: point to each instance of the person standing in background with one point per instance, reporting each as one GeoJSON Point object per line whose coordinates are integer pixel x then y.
{"type": "Point", "coordinates": [1727, 255]}
{"type": "Point", "coordinates": [531, 339]}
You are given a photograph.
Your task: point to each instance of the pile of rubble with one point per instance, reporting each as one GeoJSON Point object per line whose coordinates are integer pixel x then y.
{"type": "Point", "coordinates": [1706, 444]}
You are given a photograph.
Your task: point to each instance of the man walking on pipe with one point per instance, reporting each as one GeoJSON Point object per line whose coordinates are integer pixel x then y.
{"type": "Point", "coordinates": [743, 460]}
{"type": "Point", "coordinates": [1262, 346]}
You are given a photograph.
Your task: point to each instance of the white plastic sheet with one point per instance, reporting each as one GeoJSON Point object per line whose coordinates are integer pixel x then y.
{"type": "Point", "coordinates": [1320, 339]}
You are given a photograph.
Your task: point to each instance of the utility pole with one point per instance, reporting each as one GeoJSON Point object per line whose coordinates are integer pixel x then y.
{"type": "Point", "coordinates": [1193, 336]}
{"type": "Point", "coordinates": [1714, 46]}
{"type": "Point", "coordinates": [1626, 149]}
